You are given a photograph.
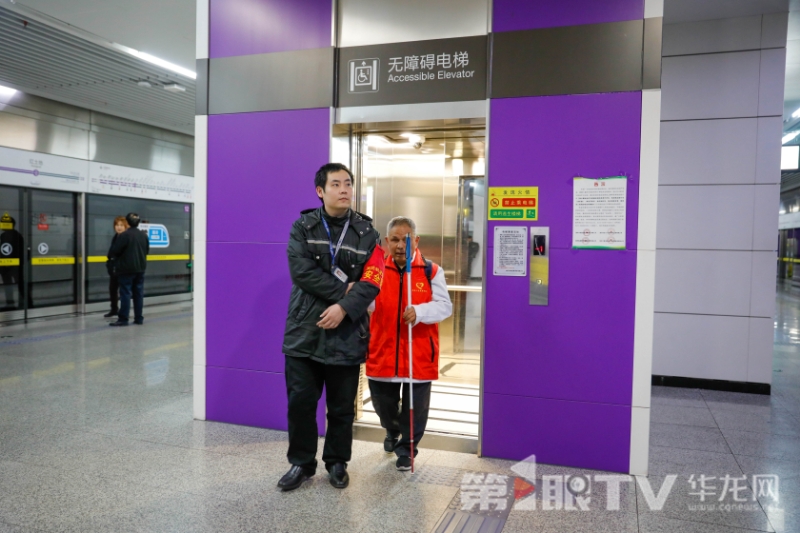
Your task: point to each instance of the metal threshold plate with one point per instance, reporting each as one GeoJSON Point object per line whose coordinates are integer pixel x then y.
{"type": "Point", "coordinates": [431, 441]}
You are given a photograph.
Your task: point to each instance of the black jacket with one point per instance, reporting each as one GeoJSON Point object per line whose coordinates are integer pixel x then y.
{"type": "Point", "coordinates": [129, 249]}
{"type": "Point", "coordinates": [314, 289]}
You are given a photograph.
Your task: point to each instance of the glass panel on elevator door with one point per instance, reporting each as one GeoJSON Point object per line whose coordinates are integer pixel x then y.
{"type": "Point", "coordinates": [169, 264]}
{"type": "Point", "coordinates": [53, 248]}
{"type": "Point", "coordinates": [12, 246]}
{"type": "Point", "coordinates": [435, 176]}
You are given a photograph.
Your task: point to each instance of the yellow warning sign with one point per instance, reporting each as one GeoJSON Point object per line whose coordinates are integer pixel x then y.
{"type": "Point", "coordinates": [513, 203]}
{"type": "Point", "coordinates": [6, 222]}
{"type": "Point", "coordinates": [9, 262]}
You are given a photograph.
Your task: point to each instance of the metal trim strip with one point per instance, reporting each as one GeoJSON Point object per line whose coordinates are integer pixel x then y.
{"type": "Point", "coordinates": [299, 79]}
{"type": "Point", "coordinates": [396, 113]}
{"type": "Point", "coordinates": [590, 58]}
{"type": "Point", "coordinates": [651, 60]}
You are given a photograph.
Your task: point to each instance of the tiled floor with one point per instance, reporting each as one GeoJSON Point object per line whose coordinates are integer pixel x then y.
{"type": "Point", "coordinates": [96, 435]}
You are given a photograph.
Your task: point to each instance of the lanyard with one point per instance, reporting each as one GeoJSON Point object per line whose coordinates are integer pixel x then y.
{"type": "Point", "coordinates": [334, 253]}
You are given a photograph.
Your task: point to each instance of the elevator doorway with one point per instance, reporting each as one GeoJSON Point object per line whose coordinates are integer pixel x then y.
{"type": "Point", "coordinates": [434, 174]}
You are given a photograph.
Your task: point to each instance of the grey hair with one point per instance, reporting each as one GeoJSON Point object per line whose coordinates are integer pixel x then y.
{"type": "Point", "coordinates": [401, 221]}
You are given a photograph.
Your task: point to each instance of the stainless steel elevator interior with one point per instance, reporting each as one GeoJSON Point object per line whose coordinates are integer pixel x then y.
{"type": "Point", "coordinates": [432, 172]}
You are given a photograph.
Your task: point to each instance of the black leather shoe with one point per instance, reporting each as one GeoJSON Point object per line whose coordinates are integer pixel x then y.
{"type": "Point", "coordinates": [135, 323]}
{"type": "Point", "coordinates": [118, 323]}
{"type": "Point", "coordinates": [338, 475]}
{"type": "Point", "coordinates": [110, 314]}
{"type": "Point", "coordinates": [389, 443]}
{"type": "Point", "coordinates": [294, 478]}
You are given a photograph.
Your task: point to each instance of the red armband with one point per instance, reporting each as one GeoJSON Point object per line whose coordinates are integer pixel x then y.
{"type": "Point", "coordinates": [373, 270]}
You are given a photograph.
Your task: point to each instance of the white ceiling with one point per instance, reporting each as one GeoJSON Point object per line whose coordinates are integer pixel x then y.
{"type": "Point", "coordinates": [47, 58]}
{"type": "Point", "coordinates": [163, 28]}
{"type": "Point", "coordinates": [166, 28]}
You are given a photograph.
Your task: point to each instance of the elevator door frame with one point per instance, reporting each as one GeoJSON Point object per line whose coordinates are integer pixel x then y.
{"type": "Point", "coordinates": [356, 138]}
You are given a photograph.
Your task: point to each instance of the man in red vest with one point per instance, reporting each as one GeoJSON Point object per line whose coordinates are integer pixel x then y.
{"type": "Point", "coordinates": [387, 362]}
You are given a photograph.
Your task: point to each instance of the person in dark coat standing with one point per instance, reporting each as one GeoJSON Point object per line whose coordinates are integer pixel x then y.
{"type": "Point", "coordinates": [12, 248]}
{"type": "Point", "coordinates": [129, 251]}
{"type": "Point", "coordinates": [336, 265]}
{"type": "Point", "coordinates": [120, 225]}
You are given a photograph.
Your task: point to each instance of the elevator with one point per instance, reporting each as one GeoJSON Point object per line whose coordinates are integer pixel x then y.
{"type": "Point", "coordinates": [434, 173]}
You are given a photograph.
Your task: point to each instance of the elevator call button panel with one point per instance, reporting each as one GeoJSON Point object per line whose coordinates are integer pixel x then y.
{"type": "Point", "coordinates": [539, 265]}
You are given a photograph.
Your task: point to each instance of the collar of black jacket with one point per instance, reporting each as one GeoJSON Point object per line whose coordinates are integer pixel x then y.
{"type": "Point", "coordinates": [336, 221]}
{"type": "Point", "coordinates": [358, 221]}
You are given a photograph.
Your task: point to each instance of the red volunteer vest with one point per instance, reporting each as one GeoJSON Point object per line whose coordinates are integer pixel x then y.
{"type": "Point", "coordinates": [388, 345]}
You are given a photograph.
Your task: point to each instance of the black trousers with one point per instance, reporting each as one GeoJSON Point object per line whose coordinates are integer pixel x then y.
{"type": "Point", "coordinates": [304, 381]}
{"type": "Point", "coordinates": [131, 286]}
{"type": "Point", "coordinates": [394, 414]}
{"type": "Point", "coordinates": [113, 292]}
{"type": "Point", "coordinates": [11, 276]}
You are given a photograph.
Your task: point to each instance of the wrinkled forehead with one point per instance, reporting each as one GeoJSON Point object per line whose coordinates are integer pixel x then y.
{"type": "Point", "coordinates": [400, 231]}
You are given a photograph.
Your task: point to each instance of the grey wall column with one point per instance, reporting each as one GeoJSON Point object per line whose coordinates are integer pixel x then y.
{"type": "Point", "coordinates": [718, 198]}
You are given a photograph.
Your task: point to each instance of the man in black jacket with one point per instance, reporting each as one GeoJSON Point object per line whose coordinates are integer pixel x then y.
{"type": "Point", "coordinates": [336, 265]}
{"type": "Point", "coordinates": [129, 254]}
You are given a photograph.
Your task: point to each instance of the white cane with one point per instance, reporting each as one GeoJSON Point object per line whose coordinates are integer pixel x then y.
{"type": "Point", "coordinates": [409, 258]}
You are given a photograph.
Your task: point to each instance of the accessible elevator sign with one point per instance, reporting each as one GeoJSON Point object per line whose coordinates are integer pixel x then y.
{"type": "Point", "coordinates": [439, 70]}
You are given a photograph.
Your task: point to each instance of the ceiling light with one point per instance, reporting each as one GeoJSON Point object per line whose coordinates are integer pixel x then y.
{"type": "Point", "coordinates": [408, 157]}
{"type": "Point", "coordinates": [175, 88]}
{"type": "Point", "coordinates": [162, 63]}
{"type": "Point", "coordinates": [144, 83]}
{"type": "Point", "coordinates": [458, 167]}
{"type": "Point", "coordinates": [416, 140]}
{"type": "Point", "coordinates": [789, 136]}
{"type": "Point", "coordinates": [406, 135]}
{"type": "Point", "coordinates": [376, 140]}
{"type": "Point", "coordinates": [7, 91]}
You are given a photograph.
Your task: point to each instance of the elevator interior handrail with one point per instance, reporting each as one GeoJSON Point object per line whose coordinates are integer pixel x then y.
{"type": "Point", "coordinates": [465, 288]}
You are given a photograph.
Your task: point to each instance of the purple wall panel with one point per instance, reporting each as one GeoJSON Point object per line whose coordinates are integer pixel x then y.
{"type": "Point", "coordinates": [580, 346]}
{"type": "Point", "coordinates": [246, 397]}
{"type": "Point", "coordinates": [512, 15]}
{"type": "Point", "coordinates": [260, 176]}
{"type": "Point", "coordinates": [581, 435]}
{"type": "Point", "coordinates": [259, 163]}
{"type": "Point", "coordinates": [548, 140]}
{"type": "Point", "coordinates": [248, 294]}
{"type": "Point", "coordinates": [245, 27]}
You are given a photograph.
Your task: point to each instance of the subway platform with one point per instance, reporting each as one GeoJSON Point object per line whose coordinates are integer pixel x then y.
{"type": "Point", "coordinates": [97, 435]}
